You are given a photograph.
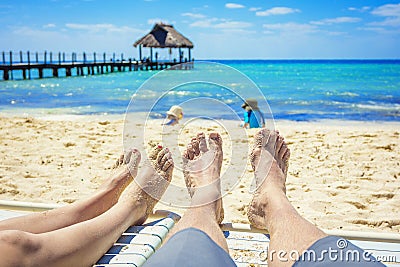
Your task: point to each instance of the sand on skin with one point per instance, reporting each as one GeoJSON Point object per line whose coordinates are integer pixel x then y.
{"type": "Point", "coordinates": [342, 175]}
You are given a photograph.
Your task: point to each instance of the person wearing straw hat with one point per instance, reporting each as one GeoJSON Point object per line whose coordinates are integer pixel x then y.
{"type": "Point", "coordinates": [174, 114]}
{"type": "Point", "coordinates": [253, 117]}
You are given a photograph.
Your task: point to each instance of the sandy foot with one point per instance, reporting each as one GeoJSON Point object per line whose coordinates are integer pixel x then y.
{"type": "Point", "coordinates": [152, 181]}
{"type": "Point", "coordinates": [202, 168]}
{"type": "Point", "coordinates": [269, 160]}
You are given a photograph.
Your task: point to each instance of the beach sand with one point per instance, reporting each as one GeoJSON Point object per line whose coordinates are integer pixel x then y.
{"type": "Point", "coordinates": [342, 175]}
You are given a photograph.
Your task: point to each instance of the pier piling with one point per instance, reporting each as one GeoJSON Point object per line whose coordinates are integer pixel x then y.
{"type": "Point", "coordinates": [86, 64]}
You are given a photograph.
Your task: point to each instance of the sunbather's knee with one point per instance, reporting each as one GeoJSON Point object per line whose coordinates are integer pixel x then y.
{"type": "Point", "coordinates": [17, 247]}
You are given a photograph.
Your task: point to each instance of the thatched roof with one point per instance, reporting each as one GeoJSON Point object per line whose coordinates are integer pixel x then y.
{"type": "Point", "coordinates": [163, 35]}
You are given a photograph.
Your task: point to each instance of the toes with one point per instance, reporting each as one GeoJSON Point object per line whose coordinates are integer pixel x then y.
{"type": "Point", "coordinates": [161, 154]}
{"type": "Point", "coordinates": [285, 162]}
{"type": "Point", "coordinates": [215, 141]}
{"type": "Point", "coordinates": [201, 138]}
{"type": "Point", "coordinates": [135, 156]}
{"type": "Point", "coordinates": [282, 151]}
{"type": "Point", "coordinates": [255, 157]}
{"type": "Point", "coordinates": [119, 161]}
{"type": "Point", "coordinates": [134, 161]}
{"type": "Point", "coordinates": [166, 157]}
{"type": "Point", "coordinates": [190, 152]}
{"type": "Point", "coordinates": [270, 145]}
{"type": "Point", "coordinates": [195, 145]}
{"type": "Point", "coordinates": [154, 151]}
{"type": "Point", "coordinates": [286, 157]}
{"type": "Point", "coordinates": [258, 138]}
{"type": "Point", "coordinates": [127, 157]}
{"type": "Point", "coordinates": [279, 145]}
{"type": "Point", "coordinates": [166, 162]}
{"type": "Point", "coordinates": [261, 137]}
{"type": "Point", "coordinates": [185, 157]}
{"type": "Point", "coordinates": [168, 165]}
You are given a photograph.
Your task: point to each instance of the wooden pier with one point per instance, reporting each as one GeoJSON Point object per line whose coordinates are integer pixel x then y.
{"type": "Point", "coordinates": [63, 67]}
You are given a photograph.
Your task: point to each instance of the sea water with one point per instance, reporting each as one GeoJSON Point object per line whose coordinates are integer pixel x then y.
{"type": "Point", "coordinates": [365, 90]}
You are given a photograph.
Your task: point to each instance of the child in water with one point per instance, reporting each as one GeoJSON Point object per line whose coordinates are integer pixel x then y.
{"type": "Point", "coordinates": [174, 114]}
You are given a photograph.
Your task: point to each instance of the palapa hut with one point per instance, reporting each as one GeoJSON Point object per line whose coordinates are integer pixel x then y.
{"type": "Point", "coordinates": [164, 36]}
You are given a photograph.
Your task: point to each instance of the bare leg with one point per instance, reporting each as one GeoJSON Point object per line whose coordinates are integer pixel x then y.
{"type": "Point", "coordinates": [202, 167]}
{"type": "Point", "coordinates": [83, 243]}
{"type": "Point", "coordinates": [270, 209]}
{"type": "Point", "coordinates": [82, 210]}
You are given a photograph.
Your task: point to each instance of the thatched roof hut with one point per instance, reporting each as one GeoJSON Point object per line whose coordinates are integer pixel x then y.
{"type": "Point", "coordinates": [164, 36]}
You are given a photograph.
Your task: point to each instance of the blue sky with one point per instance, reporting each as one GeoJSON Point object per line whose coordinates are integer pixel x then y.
{"type": "Point", "coordinates": [268, 29]}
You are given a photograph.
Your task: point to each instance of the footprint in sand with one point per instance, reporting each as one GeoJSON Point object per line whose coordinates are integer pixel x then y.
{"type": "Point", "coordinates": [384, 195]}
{"type": "Point", "coordinates": [358, 205]}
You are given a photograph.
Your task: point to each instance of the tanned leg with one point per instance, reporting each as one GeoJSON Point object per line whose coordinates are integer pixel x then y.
{"type": "Point", "coordinates": [124, 172]}
{"type": "Point", "coordinates": [84, 243]}
{"type": "Point", "coordinates": [270, 208]}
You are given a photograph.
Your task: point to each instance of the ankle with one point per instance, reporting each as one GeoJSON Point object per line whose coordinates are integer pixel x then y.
{"type": "Point", "coordinates": [205, 195]}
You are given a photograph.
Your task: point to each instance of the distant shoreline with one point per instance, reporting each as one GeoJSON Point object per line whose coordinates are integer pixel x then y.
{"type": "Point", "coordinates": [121, 117]}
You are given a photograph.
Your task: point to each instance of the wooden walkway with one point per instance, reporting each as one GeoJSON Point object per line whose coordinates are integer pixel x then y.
{"type": "Point", "coordinates": [75, 67]}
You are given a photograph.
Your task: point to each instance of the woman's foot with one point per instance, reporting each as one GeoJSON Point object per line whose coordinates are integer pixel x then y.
{"type": "Point", "coordinates": [269, 160]}
{"type": "Point", "coordinates": [151, 183]}
{"type": "Point", "coordinates": [201, 168]}
{"type": "Point", "coordinates": [124, 171]}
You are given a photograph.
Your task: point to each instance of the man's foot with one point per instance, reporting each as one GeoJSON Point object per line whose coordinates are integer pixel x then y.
{"type": "Point", "coordinates": [202, 168]}
{"type": "Point", "coordinates": [152, 181]}
{"type": "Point", "coordinates": [269, 160]}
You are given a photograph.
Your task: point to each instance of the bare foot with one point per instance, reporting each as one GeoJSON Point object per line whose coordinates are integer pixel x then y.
{"type": "Point", "coordinates": [124, 171]}
{"type": "Point", "coordinates": [269, 160]}
{"type": "Point", "coordinates": [152, 181]}
{"type": "Point", "coordinates": [202, 168]}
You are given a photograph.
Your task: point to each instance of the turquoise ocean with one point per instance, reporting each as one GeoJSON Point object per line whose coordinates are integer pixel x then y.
{"type": "Point", "coordinates": [300, 90]}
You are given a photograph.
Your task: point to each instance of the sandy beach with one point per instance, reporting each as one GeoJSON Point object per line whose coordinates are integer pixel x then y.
{"type": "Point", "coordinates": [342, 174]}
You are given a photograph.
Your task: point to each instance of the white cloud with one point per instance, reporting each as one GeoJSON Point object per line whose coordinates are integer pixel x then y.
{"type": "Point", "coordinates": [232, 25]}
{"type": "Point", "coordinates": [102, 27]}
{"type": "Point", "coordinates": [277, 11]}
{"type": "Point", "coordinates": [380, 30]}
{"type": "Point", "coordinates": [336, 21]}
{"type": "Point", "coordinates": [336, 33]}
{"type": "Point", "coordinates": [193, 15]}
{"type": "Point", "coordinates": [234, 5]}
{"type": "Point", "coordinates": [50, 25]}
{"type": "Point", "coordinates": [254, 8]}
{"type": "Point", "coordinates": [392, 22]}
{"type": "Point", "coordinates": [89, 27]}
{"type": "Point", "coordinates": [157, 20]}
{"type": "Point", "coordinates": [206, 23]}
{"type": "Point", "coordinates": [390, 10]}
{"type": "Point", "coordinates": [221, 24]}
{"type": "Point", "coordinates": [290, 27]}
{"type": "Point", "coordinates": [361, 9]}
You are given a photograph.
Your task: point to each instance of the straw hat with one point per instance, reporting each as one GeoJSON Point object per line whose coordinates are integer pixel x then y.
{"type": "Point", "coordinates": [252, 103]}
{"type": "Point", "coordinates": [176, 111]}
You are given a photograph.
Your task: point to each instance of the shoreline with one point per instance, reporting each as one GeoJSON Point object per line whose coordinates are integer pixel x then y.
{"type": "Point", "coordinates": [121, 116]}
{"type": "Point", "coordinates": [342, 174]}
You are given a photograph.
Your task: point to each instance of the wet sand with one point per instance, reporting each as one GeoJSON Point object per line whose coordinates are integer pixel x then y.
{"type": "Point", "coordinates": [342, 175]}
